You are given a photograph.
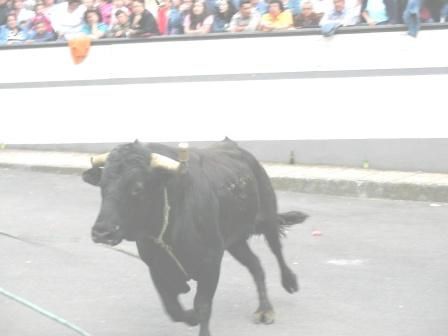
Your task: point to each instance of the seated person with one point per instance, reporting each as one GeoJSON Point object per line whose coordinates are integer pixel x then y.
{"type": "Point", "coordinates": [246, 19]}
{"type": "Point", "coordinates": [39, 33]}
{"type": "Point", "coordinates": [276, 18]}
{"type": "Point", "coordinates": [67, 19]}
{"type": "Point", "coordinates": [307, 17]}
{"type": "Point", "coordinates": [199, 21]}
{"type": "Point", "coordinates": [4, 10]}
{"type": "Point", "coordinates": [292, 5]}
{"type": "Point", "coordinates": [374, 12]}
{"type": "Point", "coordinates": [105, 8]}
{"type": "Point", "coordinates": [116, 6]}
{"type": "Point", "coordinates": [143, 23]}
{"type": "Point", "coordinates": [223, 15]}
{"type": "Point", "coordinates": [23, 15]}
{"type": "Point", "coordinates": [41, 17]}
{"type": "Point", "coordinates": [11, 33]}
{"type": "Point", "coordinates": [122, 26]}
{"type": "Point", "coordinates": [93, 26]}
{"type": "Point", "coordinates": [260, 5]}
{"type": "Point", "coordinates": [175, 18]}
{"type": "Point", "coordinates": [338, 16]}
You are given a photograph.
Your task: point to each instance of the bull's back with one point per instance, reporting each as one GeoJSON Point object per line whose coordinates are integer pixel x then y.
{"type": "Point", "coordinates": [247, 200]}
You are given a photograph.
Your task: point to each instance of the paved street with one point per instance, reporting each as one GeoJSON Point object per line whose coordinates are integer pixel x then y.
{"type": "Point", "coordinates": [379, 267]}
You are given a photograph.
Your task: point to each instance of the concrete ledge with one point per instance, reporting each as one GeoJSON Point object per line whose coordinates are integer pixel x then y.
{"type": "Point", "coordinates": [364, 189]}
{"type": "Point", "coordinates": [341, 181]}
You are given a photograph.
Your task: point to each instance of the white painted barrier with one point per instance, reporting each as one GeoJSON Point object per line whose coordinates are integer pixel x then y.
{"type": "Point", "coordinates": [352, 86]}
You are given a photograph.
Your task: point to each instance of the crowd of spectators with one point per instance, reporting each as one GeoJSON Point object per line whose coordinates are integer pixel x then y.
{"type": "Point", "coordinates": [25, 21]}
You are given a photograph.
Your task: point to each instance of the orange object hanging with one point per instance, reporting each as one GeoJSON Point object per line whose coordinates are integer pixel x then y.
{"type": "Point", "coordinates": [79, 48]}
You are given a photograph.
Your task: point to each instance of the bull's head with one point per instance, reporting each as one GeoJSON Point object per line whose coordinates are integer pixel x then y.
{"type": "Point", "coordinates": [131, 179]}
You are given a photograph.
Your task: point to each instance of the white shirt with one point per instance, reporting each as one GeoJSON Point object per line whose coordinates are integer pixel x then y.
{"type": "Point", "coordinates": [67, 23]}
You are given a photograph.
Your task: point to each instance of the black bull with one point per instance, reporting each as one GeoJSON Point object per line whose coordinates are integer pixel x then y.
{"type": "Point", "coordinates": [184, 216]}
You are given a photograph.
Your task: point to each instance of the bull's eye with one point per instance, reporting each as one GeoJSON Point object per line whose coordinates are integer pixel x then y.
{"type": "Point", "coordinates": [137, 189]}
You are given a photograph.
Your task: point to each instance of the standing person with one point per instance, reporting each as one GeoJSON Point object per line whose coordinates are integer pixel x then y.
{"type": "Point", "coordinates": [444, 12]}
{"type": "Point", "coordinates": [246, 20]}
{"type": "Point", "coordinates": [374, 12]}
{"type": "Point", "coordinates": [199, 21]}
{"type": "Point", "coordinates": [277, 18]}
{"type": "Point", "coordinates": [4, 11]}
{"type": "Point", "coordinates": [68, 19]}
{"type": "Point", "coordinates": [411, 17]}
{"type": "Point", "coordinates": [11, 33]}
{"type": "Point", "coordinates": [307, 17]}
{"type": "Point", "coordinates": [143, 23]}
{"type": "Point", "coordinates": [93, 26]}
{"type": "Point", "coordinates": [337, 17]}
{"type": "Point", "coordinates": [395, 9]}
{"type": "Point", "coordinates": [224, 13]}
{"type": "Point", "coordinates": [435, 8]}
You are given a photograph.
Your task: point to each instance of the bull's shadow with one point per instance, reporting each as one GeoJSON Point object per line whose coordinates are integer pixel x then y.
{"type": "Point", "coordinates": [184, 208]}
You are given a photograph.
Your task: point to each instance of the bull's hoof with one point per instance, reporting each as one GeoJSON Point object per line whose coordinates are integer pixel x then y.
{"type": "Point", "coordinates": [289, 281]}
{"type": "Point", "coordinates": [264, 316]}
{"type": "Point", "coordinates": [191, 317]}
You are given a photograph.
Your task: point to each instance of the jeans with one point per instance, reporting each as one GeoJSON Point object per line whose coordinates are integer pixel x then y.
{"type": "Point", "coordinates": [411, 16]}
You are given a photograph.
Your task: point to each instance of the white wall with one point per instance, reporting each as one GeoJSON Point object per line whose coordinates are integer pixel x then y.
{"type": "Point", "coordinates": [284, 109]}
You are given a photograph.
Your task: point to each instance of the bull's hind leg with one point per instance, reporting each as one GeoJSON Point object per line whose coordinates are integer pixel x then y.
{"type": "Point", "coordinates": [289, 279]}
{"type": "Point", "coordinates": [242, 252]}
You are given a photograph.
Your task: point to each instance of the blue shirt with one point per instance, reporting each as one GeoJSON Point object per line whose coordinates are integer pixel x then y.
{"type": "Point", "coordinates": [377, 11]}
{"type": "Point", "coordinates": [86, 29]}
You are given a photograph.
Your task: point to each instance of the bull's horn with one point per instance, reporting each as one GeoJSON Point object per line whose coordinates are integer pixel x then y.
{"type": "Point", "coordinates": [99, 160]}
{"type": "Point", "coordinates": [160, 161]}
{"type": "Point", "coordinates": [183, 152]}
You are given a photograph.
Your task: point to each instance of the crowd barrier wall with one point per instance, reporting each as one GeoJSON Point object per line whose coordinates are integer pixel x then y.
{"type": "Point", "coordinates": [364, 94]}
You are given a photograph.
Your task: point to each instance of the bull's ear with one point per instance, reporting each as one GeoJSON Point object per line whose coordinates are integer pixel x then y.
{"type": "Point", "coordinates": [93, 176]}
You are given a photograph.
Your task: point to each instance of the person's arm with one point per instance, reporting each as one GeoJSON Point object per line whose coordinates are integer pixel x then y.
{"type": "Point", "coordinates": [187, 22]}
{"type": "Point", "coordinates": [365, 13]}
{"type": "Point", "coordinates": [233, 27]}
{"type": "Point", "coordinates": [98, 30]}
{"type": "Point", "coordinates": [204, 29]}
{"type": "Point", "coordinates": [265, 25]}
{"type": "Point", "coordinates": [253, 23]}
{"type": "Point", "coordinates": [207, 25]}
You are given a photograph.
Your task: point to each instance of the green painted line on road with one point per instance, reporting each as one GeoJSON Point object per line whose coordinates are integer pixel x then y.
{"type": "Point", "coordinates": [44, 312]}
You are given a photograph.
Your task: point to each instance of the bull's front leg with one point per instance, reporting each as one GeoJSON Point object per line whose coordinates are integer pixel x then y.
{"type": "Point", "coordinates": [168, 294]}
{"type": "Point", "coordinates": [207, 283]}
{"type": "Point", "coordinates": [173, 308]}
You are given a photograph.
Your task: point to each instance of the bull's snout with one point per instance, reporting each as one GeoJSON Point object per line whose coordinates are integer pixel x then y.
{"type": "Point", "coordinates": [106, 235]}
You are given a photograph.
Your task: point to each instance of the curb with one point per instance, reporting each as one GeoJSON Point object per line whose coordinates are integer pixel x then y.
{"type": "Point", "coordinates": [334, 187]}
{"type": "Point", "coordinates": [364, 189]}
{"type": "Point", "coordinates": [43, 169]}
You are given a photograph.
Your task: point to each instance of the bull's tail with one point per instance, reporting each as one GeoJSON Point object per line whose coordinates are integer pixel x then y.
{"type": "Point", "coordinates": [290, 218]}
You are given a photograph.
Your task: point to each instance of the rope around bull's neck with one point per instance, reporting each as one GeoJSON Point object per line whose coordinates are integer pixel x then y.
{"type": "Point", "coordinates": [159, 240]}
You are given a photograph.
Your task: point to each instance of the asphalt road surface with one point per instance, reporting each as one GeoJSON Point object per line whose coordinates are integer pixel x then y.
{"type": "Point", "coordinates": [377, 268]}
